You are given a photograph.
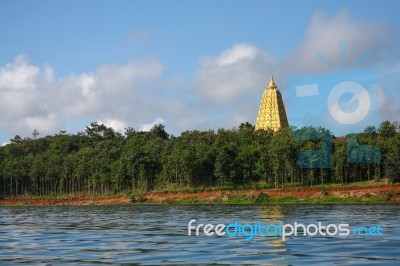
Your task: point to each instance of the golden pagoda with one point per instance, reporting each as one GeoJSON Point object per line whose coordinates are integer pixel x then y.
{"type": "Point", "coordinates": [272, 114]}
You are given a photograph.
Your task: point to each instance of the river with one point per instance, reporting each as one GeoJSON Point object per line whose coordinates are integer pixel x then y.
{"type": "Point", "coordinates": [88, 235]}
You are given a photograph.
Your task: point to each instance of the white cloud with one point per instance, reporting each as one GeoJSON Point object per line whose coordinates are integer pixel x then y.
{"type": "Point", "coordinates": [239, 70]}
{"type": "Point", "coordinates": [109, 89]}
{"type": "Point", "coordinates": [45, 124]}
{"type": "Point", "coordinates": [230, 85]}
{"type": "Point", "coordinates": [147, 127]}
{"type": "Point", "coordinates": [25, 94]}
{"type": "Point", "coordinates": [117, 125]}
{"type": "Point", "coordinates": [18, 75]}
{"type": "Point", "coordinates": [323, 36]}
{"type": "Point", "coordinates": [233, 55]}
{"type": "Point", "coordinates": [32, 98]}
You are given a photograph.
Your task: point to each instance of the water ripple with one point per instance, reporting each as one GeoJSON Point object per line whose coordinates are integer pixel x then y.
{"type": "Point", "coordinates": [88, 235]}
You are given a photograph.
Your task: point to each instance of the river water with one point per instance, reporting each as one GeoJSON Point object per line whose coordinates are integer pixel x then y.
{"type": "Point", "coordinates": [88, 235]}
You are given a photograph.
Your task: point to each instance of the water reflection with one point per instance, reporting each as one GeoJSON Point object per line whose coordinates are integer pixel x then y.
{"type": "Point", "coordinates": [273, 214]}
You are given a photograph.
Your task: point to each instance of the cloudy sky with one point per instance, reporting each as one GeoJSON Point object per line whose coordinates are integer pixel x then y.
{"type": "Point", "coordinates": [187, 64]}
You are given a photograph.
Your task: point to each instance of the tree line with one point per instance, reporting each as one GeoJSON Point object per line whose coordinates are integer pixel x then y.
{"type": "Point", "coordinates": [100, 160]}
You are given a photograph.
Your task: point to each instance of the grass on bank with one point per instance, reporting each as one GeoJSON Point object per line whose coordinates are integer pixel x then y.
{"type": "Point", "coordinates": [264, 199]}
{"type": "Point", "coordinates": [238, 200]}
{"type": "Point", "coordinates": [173, 188]}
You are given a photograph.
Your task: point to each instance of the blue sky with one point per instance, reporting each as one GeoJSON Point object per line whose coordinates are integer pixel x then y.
{"type": "Point", "coordinates": [188, 64]}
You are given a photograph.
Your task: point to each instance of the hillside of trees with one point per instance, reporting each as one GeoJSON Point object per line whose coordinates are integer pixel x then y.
{"type": "Point", "coordinates": [100, 160]}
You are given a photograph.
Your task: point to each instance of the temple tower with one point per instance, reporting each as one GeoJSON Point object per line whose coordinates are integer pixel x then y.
{"type": "Point", "coordinates": [272, 114]}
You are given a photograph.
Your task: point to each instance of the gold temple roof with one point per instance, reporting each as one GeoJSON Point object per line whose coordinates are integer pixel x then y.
{"type": "Point", "coordinates": [272, 113]}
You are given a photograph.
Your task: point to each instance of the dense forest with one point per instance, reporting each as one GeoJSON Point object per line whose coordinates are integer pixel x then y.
{"type": "Point", "coordinates": [100, 160]}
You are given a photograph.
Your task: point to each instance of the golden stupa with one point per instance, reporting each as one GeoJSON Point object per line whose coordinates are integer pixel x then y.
{"type": "Point", "coordinates": [272, 114]}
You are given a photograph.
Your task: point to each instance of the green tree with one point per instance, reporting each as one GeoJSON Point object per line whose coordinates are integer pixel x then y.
{"type": "Point", "coordinates": [393, 165]}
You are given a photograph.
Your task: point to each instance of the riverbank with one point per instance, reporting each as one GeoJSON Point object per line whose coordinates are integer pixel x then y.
{"type": "Point", "coordinates": [313, 195]}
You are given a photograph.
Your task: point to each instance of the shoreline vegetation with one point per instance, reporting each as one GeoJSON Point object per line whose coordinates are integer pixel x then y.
{"type": "Point", "coordinates": [357, 193]}
{"type": "Point", "coordinates": [234, 166]}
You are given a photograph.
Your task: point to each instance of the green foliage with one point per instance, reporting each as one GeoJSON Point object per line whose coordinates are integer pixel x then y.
{"type": "Point", "coordinates": [262, 198]}
{"type": "Point", "coordinates": [393, 165]}
{"type": "Point", "coordinates": [286, 199]}
{"type": "Point", "coordinates": [389, 196]}
{"type": "Point", "coordinates": [101, 161]}
{"type": "Point", "coordinates": [137, 197]}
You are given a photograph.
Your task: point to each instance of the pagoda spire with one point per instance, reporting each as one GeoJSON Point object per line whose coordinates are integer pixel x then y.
{"type": "Point", "coordinates": [272, 114]}
{"type": "Point", "coordinates": [272, 83]}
